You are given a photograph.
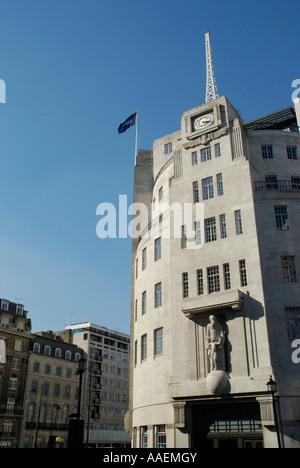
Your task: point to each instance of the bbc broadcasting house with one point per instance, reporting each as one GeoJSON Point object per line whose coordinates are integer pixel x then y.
{"type": "Point", "coordinates": [215, 316]}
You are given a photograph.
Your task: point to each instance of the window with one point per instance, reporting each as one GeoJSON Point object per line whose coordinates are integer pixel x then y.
{"type": "Point", "coordinates": [195, 192]}
{"type": "Point", "coordinates": [56, 391]}
{"type": "Point", "coordinates": [295, 183]}
{"type": "Point", "coordinates": [144, 437]}
{"type": "Point", "coordinates": [207, 188]}
{"type": "Point", "coordinates": [67, 392]}
{"type": "Point", "coordinates": [271, 182]}
{"type": "Point", "coordinates": [47, 369]}
{"type": "Point", "coordinates": [289, 269]}
{"type": "Point", "coordinates": [226, 272]}
{"type": "Point", "coordinates": [58, 372]}
{"type": "Point", "coordinates": [292, 152]}
{"type": "Point", "coordinates": [210, 229]}
{"type": "Point", "coordinates": [281, 216]}
{"type": "Point", "coordinates": [168, 148]}
{"type": "Point", "coordinates": [157, 249]}
{"type": "Point", "coordinates": [183, 237]}
{"type": "Point", "coordinates": [220, 184]}
{"type": "Point", "coordinates": [143, 347]}
{"type": "Point", "coordinates": [135, 352]}
{"type": "Point", "coordinates": [144, 302]}
{"type": "Point", "coordinates": [292, 315]}
{"type": "Point", "coordinates": [238, 222]}
{"type": "Point", "coordinates": [205, 154]}
{"type": "Point", "coordinates": [160, 437]}
{"type": "Point", "coordinates": [144, 258]}
{"type": "Point", "coordinates": [4, 304]}
{"type": "Point", "coordinates": [213, 279]}
{"type": "Point", "coordinates": [217, 150]}
{"type": "Point", "coordinates": [157, 294]}
{"type": "Point", "coordinates": [19, 345]}
{"type": "Point", "coordinates": [13, 383]}
{"type": "Point", "coordinates": [199, 277]}
{"type": "Point", "coordinates": [194, 158]}
{"type": "Point", "coordinates": [243, 273]}
{"type": "Point", "coordinates": [57, 352]}
{"type": "Point", "coordinates": [197, 229]}
{"type": "Point", "coordinates": [47, 350]}
{"type": "Point", "coordinates": [36, 367]}
{"type": "Point", "coordinates": [185, 285]}
{"type": "Point", "coordinates": [16, 364]}
{"type": "Point", "coordinates": [158, 341]}
{"type": "Point", "coordinates": [136, 310]}
{"type": "Point", "coordinates": [160, 193]}
{"type": "Point", "coordinates": [136, 267]}
{"type": "Point", "coordinates": [20, 309]}
{"type": "Point", "coordinates": [267, 151]}
{"type": "Point", "coordinates": [68, 354]}
{"type": "Point", "coordinates": [223, 230]}
{"type": "Point", "coordinates": [36, 348]}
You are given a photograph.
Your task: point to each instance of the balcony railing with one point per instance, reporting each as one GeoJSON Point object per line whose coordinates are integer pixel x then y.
{"type": "Point", "coordinates": [277, 185]}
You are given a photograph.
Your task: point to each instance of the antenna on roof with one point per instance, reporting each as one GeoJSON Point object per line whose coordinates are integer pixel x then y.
{"type": "Point", "coordinates": [18, 299]}
{"type": "Point", "coordinates": [211, 87]}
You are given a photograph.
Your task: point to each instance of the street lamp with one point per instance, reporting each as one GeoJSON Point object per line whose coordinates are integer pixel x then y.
{"type": "Point", "coordinates": [272, 388]}
{"type": "Point", "coordinates": [80, 371]}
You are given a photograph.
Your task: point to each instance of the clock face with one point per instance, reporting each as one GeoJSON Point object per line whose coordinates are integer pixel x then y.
{"type": "Point", "coordinates": [203, 121]}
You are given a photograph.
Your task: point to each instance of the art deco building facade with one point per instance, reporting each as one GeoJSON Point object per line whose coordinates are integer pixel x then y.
{"type": "Point", "coordinates": [215, 312]}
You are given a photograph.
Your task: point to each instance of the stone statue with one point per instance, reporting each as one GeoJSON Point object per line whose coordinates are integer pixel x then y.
{"type": "Point", "coordinates": [215, 338]}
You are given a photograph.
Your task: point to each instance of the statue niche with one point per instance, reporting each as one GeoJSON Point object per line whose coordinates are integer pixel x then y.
{"type": "Point", "coordinates": [215, 339]}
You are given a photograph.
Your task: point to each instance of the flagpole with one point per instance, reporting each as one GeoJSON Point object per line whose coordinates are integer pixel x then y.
{"type": "Point", "coordinates": [136, 136]}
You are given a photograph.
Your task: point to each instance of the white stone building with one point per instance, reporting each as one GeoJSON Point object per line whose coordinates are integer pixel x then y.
{"type": "Point", "coordinates": [216, 312]}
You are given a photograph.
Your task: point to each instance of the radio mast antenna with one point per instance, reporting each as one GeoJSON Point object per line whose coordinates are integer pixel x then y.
{"type": "Point", "coordinates": [211, 87]}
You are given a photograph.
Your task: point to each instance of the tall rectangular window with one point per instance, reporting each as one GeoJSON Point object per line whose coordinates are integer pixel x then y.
{"type": "Point", "coordinates": [271, 182]}
{"type": "Point", "coordinates": [160, 437]}
{"type": "Point", "coordinates": [295, 183]}
{"type": "Point", "coordinates": [292, 315]}
{"type": "Point", "coordinates": [243, 273]}
{"type": "Point", "coordinates": [136, 310]}
{"type": "Point", "coordinates": [238, 222]}
{"type": "Point", "coordinates": [292, 152]}
{"type": "Point", "coordinates": [220, 184]}
{"type": "Point", "coordinates": [183, 237]}
{"type": "Point", "coordinates": [136, 267]}
{"type": "Point", "coordinates": [267, 151]}
{"type": "Point", "coordinates": [289, 269]}
{"type": "Point", "coordinates": [135, 352]}
{"type": "Point", "coordinates": [158, 295]}
{"type": "Point", "coordinates": [144, 347]}
{"type": "Point", "coordinates": [207, 188]}
{"type": "Point", "coordinates": [158, 341]}
{"type": "Point", "coordinates": [226, 271]}
{"type": "Point", "coordinates": [223, 230]}
{"type": "Point", "coordinates": [281, 216]}
{"type": "Point", "coordinates": [144, 303]}
{"type": "Point", "coordinates": [195, 192]}
{"type": "Point", "coordinates": [157, 249]}
{"type": "Point", "coordinates": [217, 150]}
{"type": "Point", "coordinates": [197, 229]}
{"type": "Point", "coordinates": [210, 229]}
{"type": "Point", "coordinates": [200, 289]}
{"type": "Point", "coordinates": [144, 258]}
{"type": "Point", "coordinates": [205, 154]}
{"type": "Point", "coordinates": [185, 285]}
{"type": "Point", "coordinates": [213, 279]}
{"type": "Point", "coordinates": [194, 158]}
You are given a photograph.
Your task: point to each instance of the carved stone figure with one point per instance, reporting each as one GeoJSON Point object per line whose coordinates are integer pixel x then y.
{"type": "Point", "coordinates": [215, 339]}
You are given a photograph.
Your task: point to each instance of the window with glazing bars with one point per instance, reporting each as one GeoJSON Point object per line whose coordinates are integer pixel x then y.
{"type": "Point", "coordinates": [238, 222]}
{"type": "Point", "coordinates": [213, 279]}
{"type": "Point", "coordinates": [185, 285]}
{"type": "Point", "coordinates": [195, 192]}
{"type": "Point", "coordinates": [243, 273]}
{"type": "Point", "coordinates": [281, 216]}
{"type": "Point", "coordinates": [207, 188]}
{"type": "Point", "coordinates": [210, 229]}
{"type": "Point", "coordinates": [226, 271]}
{"type": "Point", "coordinates": [200, 289]}
{"type": "Point", "coordinates": [289, 269]}
{"type": "Point", "coordinates": [220, 184]}
{"type": "Point", "coordinates": [223, 229]}
{"type": "Point", "coordinates": [267, 151]}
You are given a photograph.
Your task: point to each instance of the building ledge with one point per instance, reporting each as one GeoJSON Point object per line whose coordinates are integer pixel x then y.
{"type": "Point", "coordinates": [231, 299]}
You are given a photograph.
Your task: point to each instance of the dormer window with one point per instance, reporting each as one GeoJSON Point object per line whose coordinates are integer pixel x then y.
{"type": "Point", "coordinates": [4, 304]}
{"type": "Point", "coordinates": [20, 309]}
{"type": "Point", "coordinates": [47, 350]}
{"type": "Point", "coordinates": [58, 352]}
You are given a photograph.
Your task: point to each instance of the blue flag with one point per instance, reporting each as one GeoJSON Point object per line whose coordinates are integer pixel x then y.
{"type": "Point", "coordinates": [127, 124]}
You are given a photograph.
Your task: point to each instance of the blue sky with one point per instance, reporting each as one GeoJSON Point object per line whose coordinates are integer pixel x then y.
{"type": "Point", "coordinates": [74, 70]}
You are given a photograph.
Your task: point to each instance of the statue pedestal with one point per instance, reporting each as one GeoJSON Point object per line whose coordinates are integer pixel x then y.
{"type": "Point", "coordinates": [217, 382]}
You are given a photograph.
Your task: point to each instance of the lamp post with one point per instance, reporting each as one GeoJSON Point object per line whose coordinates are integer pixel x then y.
{"type": "Point", "coordinates": [272, 388]}
{"type": "Point", "coordinates": [80, 371]}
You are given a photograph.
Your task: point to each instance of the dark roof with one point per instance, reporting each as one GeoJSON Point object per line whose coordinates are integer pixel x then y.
{"type": "Point", "coordinates": [279, 120]}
